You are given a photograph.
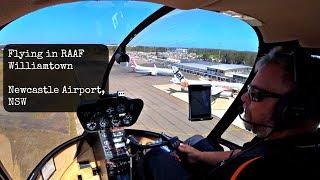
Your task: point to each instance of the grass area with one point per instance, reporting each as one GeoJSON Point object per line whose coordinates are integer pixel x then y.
{"type": "Point", "coordinates": [30, 146]}
{"type": "Point", "coordinates": [72, 125]}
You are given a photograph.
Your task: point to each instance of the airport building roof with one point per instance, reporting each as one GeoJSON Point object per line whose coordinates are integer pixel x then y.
{"type": "Point", "coordinates": [223, 67]}
{"type": "Point", "coordinates": [226, 67]}
{"type": "Point", "coordinates": [195, 65]}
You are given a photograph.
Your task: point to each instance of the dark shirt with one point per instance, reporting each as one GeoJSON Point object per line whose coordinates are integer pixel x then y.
{"type": "Point", "coordinates": [289, 158]}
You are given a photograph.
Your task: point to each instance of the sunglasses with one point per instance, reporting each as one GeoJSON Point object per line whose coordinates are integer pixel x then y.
{"type": "Point", "coordinates": [256, 94]}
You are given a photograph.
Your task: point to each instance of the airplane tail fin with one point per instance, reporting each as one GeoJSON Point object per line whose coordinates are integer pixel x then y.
{"type": "Point", "coordinates": [133, 64]}
{"type": "Point", "coordinates": [177, 74]}
{"type": "Point", "coordinates": [154, 71]}
{"type": "Point", "coordinates": [179, 78]}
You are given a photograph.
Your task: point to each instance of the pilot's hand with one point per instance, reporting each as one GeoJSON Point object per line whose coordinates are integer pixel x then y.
{"type": "Point", "coordinates": [190, 154]}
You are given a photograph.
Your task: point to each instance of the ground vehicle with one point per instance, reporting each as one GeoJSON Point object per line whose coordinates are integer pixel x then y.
{"type": "Point", "coordinates": [306, 39]}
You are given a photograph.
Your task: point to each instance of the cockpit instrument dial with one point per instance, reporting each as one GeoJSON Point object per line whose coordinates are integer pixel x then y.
{"type": "Point", "coordinates": [121, 108]}
{"type": "Point", "coordinates": [127, 120]}
{"type": "Point", "coordinates": [110, 110]}
{"type": "Point", "coordinates": [91, 125]}
{"type": "Point", "coordinates": [115, 122]}
{"type": "Point", "coordinates": [103, 123]}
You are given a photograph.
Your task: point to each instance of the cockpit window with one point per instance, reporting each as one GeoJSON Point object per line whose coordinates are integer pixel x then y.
{"type": "Point", "coordinates": [206, 48]}
{"type": "Point", "coordinates": [25, 138]}
{"type": "Point", "coordinates": [203, 46]}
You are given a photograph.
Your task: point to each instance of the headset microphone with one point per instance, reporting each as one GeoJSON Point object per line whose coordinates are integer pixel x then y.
{"type": "Point", "coordinates": [241, 110]}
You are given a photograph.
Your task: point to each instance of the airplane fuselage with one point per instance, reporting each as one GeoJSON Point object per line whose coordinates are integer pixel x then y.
{"type": "Point", "coordinates": [154, 71]}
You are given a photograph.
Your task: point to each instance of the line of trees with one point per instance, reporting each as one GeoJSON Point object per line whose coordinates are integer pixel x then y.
{"type": "Point", "coordinates": [211, 55]}
{"type": "Point", "coordinates": [149, 49]}
{"type": "Point", "coordinates": [226, 56]}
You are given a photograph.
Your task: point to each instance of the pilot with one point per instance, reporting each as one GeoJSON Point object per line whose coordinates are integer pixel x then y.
{"type": "Point", "coordinates": [283, 118]}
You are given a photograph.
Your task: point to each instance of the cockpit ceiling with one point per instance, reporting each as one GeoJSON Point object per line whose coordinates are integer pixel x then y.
{"type": "Point", "coordinates": [281, 20]}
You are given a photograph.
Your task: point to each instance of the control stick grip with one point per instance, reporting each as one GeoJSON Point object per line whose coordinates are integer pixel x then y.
{"type": "Point", "coordinates": [174, 142]}
{"type": "Point", "coordinates": [132, 140]}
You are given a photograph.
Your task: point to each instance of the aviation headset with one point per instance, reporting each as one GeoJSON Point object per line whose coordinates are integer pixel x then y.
{"type": "Point", "coordinates": [290, 110]}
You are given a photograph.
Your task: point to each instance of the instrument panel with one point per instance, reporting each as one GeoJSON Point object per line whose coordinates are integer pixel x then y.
{"type": "Point", "coordinates": [109, 112]}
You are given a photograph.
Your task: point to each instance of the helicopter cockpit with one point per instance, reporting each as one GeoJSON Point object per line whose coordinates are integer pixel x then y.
{"type": "Point", "coordinates": [170, 72]}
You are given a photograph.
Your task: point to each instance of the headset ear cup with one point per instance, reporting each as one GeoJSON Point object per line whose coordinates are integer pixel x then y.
{"type": "Point", "coordinates": [290, 111]}
{"type": "Point", "coordinates": [281, 112]}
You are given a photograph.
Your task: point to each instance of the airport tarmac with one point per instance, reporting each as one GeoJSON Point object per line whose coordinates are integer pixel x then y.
{"type": "Point", "coordinates": [25, 138]}
{"type": "Point", "coordinates": [166, 108]}
{"type": "Point", "coordinates": [218, 105]}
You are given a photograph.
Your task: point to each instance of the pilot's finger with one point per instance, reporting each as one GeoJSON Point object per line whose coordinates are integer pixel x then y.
{"type": "Point", "coordinates": [178, 158]}
{"type": "Point", "coordinates": [183, 147]}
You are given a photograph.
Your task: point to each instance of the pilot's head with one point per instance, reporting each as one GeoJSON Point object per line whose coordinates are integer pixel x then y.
{"type": "Point", "coordinates": [273, 79]}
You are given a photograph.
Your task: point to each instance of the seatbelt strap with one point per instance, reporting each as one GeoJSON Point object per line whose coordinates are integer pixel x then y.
{"type": "Point", "coordinates": [242, 167]}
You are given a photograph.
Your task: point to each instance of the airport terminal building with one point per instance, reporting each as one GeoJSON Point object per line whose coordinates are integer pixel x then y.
{"type": "Point", "coordinates": [221, 72]}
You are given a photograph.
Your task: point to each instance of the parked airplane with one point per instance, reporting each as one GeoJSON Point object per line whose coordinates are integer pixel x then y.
{"type": "Point", "coordinates": [224, 89]}
{"type": "Point", "coordinates": [154, 71]}
{"type": "Point", "coordinates": [228, 85]}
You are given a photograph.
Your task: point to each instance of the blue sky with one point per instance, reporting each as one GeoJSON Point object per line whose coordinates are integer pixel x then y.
{"type": "Point", "coordinates": [102, 22]}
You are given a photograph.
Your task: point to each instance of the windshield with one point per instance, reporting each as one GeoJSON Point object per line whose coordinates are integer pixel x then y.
{"type": "Point", "coordinates": [207, 48]}
{"type": "Point", "coordinates": [203, 46]}
{"type": "Point", "coordinates": [25, 138]}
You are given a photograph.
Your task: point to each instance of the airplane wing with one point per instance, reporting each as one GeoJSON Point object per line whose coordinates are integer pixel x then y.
{"type": "Point", "coordinates": [216, 91]}
{"type": "Point", "coordinates": [175, 80]}
{"type": "Point", "coordinates": [147, 72]}
{"type": "Point", "coordinates": [144, 72]}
